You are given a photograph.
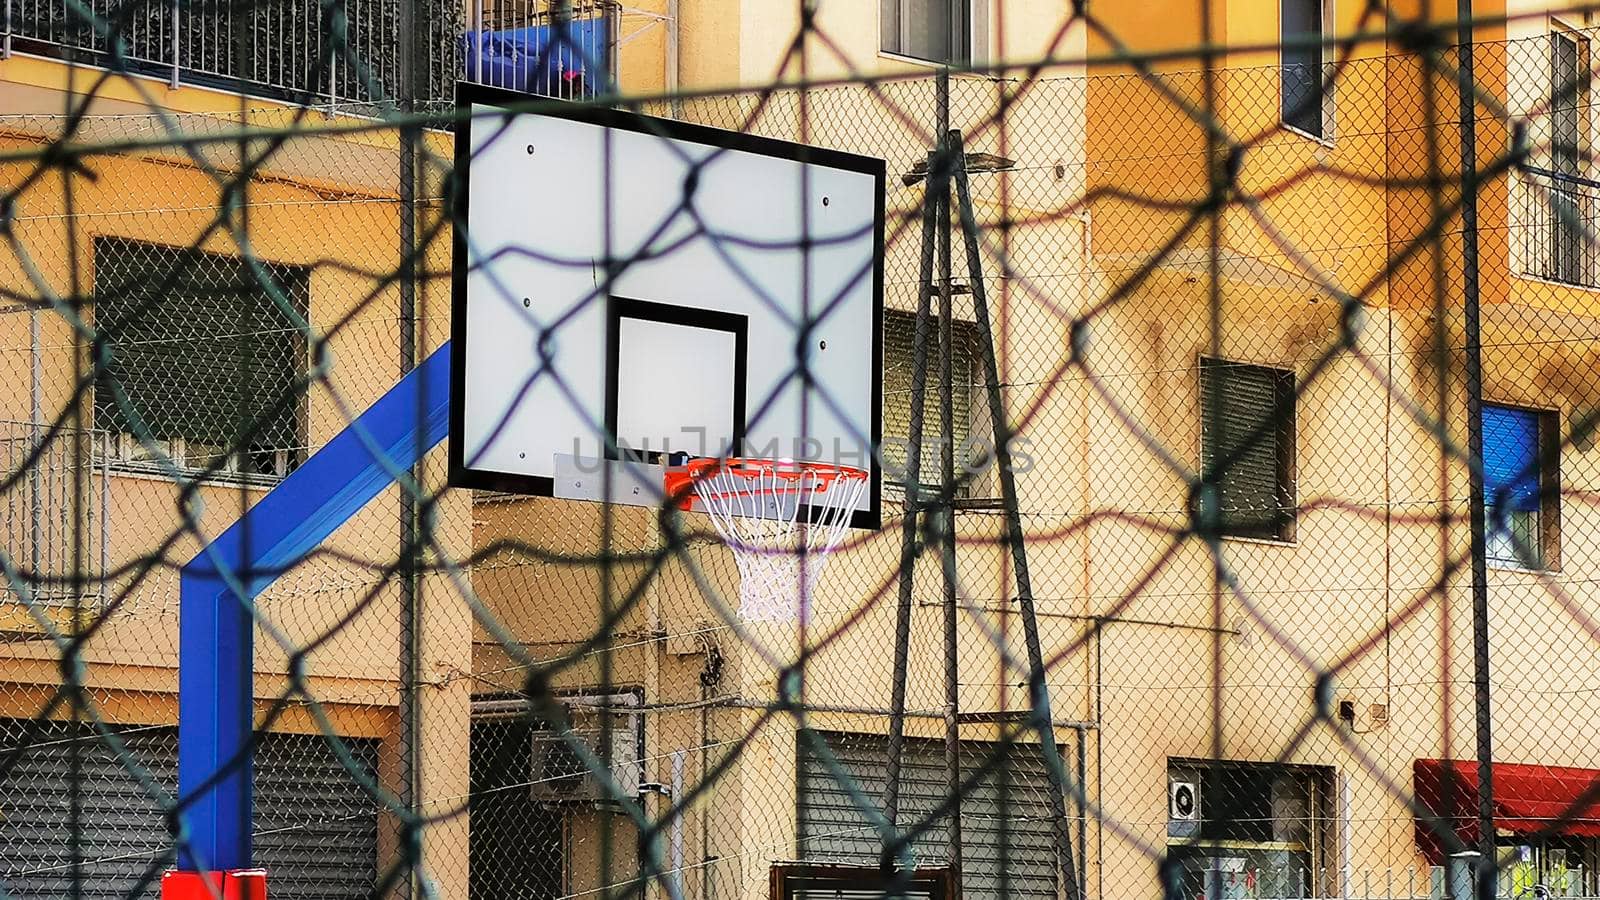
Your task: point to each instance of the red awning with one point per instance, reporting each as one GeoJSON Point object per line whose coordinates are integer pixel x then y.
{"type": "Point", "coordinates": [1528, 799]}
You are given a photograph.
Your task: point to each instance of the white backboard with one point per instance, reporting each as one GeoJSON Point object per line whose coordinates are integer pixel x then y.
{"type": "Point", "coordinates": [721, 245]}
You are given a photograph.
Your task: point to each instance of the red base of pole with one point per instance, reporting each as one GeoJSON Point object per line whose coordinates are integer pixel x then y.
{"type": "Point", "coordinates": [239, 884]}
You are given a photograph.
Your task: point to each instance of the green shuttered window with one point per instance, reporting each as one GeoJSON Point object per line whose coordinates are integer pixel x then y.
{"type": "Point", "coordinates": [205, 356]}
{"type": "Point", "coordinates": [899, 337]}
{"type": "Point", "coordinates": [1247, 446]}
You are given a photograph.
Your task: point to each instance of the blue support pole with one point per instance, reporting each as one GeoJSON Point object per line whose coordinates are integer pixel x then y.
{"type": "Point", "coordinates": [215, 628]}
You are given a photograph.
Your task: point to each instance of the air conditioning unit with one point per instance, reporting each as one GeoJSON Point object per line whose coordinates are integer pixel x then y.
{"type": "Point", "coordinates": [558, 773]}
{"type": "Point", "coordinates": [1183, 801]}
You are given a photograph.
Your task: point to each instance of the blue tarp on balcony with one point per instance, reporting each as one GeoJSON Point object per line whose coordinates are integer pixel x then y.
{"type": "Point", "coordinates": [537, 61]}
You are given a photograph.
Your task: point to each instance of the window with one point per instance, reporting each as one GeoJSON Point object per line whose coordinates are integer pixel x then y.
{"type": "Point", "coordinates": [1571, 200]}
{"type": "Point", "coordinates": [308, 806]}
{"type": "Point", "coordinates": [206, 359]}
{"type": "Point", "coordinates": [1562, 865]}
{"type": "Point", "coordinates": [934, 30]}
{"type": "Point", "coordinates": [531, 798]}
{"type": "Point", "coordinates": [1251, 829]}
{"type": "Point", "coordinates": [513, 839]}
{"type": "Point", "coordinates": [899, 335]}
{"type": "Point", "coordinates": [1305, 102]}
{"type": "Point", "coordinates": [1247, 446]}
{"type": "Point", "coordinates": [1569, 100]}
{"type": "Point", "coordinates": [1521, 486]}
{"type": "Point", "coordinates": [1008, 850]}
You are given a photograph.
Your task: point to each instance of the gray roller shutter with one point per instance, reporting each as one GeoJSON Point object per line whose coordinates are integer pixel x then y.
{"type": "Point", "coordinates": [1010, 855]}
{"type": "Point", "coordinates": [316, 829]}
{"type": "Point", "coordinates": [122, 835]}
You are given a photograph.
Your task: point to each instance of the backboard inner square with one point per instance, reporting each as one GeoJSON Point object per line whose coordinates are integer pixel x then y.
{"type": "Point", "coordinates": [677, 387]}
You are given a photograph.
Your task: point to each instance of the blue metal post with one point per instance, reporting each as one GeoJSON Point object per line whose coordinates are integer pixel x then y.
{"type": "Point", "coordinates": [215, 627]}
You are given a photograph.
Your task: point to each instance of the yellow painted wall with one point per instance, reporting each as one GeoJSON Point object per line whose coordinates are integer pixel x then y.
{"type": "Point", "coordinates": [327, 203]}
{"type": "Point", "coordinates": [1143, 680]}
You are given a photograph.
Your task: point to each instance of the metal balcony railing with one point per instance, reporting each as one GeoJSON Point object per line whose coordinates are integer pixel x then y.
{"type": "Point", "coordinates": [55, 500]}
{"type": "Point", "coordinates": [519, 44]}
{"type": "Point", "coordinates": [287, 49]}
{"type": "Point", "coordinates": [1554, 221]}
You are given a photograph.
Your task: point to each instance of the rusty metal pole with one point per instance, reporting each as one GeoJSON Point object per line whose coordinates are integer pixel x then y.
{"type": "Point", "coordinates": [1039, 693]}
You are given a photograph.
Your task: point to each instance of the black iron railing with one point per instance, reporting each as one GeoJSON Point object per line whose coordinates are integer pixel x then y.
{"type": "Point", "coordinates": [293, 49]}
{"type": "Point", "coordinates": [1554, 226]}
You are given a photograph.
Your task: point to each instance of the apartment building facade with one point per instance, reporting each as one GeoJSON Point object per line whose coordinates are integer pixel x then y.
{"type": "Point", "coordinates": [1267, 732]}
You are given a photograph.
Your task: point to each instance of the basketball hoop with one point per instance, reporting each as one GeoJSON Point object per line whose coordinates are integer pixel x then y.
{"type": "Point", "coordinates": [781, 519]}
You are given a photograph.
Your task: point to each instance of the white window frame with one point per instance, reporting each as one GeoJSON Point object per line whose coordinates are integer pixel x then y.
{"type": "Point", "coordinates": [127, 454]}
{"type": "Point", "coordinates": [1499, 548]}
{"type": "Point", "coordinates": [1329, 105]}
{"type": "Point", "coordinates": [979, 37]}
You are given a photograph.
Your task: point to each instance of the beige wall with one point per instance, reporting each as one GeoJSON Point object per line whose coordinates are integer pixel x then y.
{"type": "Point", "coordinates": [1368, 474]}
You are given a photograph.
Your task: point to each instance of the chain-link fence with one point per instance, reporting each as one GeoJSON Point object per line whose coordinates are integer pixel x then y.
{"type": "Point", "coordinates": [1264, 350]}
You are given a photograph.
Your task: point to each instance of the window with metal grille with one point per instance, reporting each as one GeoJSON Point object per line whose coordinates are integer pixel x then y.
{"type": "Point", "coordinates": [514, 841]}
{"type": "Point", "coordinates": [899, 337]}
{"type": "Point", "coordinates": [1264, 825]}
{"type": "Point", "coordinates": [1521, 486]}
{"type": "Point", "coordinates": [1247, 446]}
{"type": "Point", "coordinates": [200, 359]}
{"type": "Point", "coordinates": [934, 30]}
{"type": "Point", "coordinates": [1304, 96]}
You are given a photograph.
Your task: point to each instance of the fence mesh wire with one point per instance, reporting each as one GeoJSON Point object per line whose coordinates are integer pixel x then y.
{"type": "Point", "coordinates": [1266, 350]}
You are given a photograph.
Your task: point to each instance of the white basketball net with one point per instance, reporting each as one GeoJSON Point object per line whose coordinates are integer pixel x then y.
{"type": "Point", "coordinates": [759, 511]}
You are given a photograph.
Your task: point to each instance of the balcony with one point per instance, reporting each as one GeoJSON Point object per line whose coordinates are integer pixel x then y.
{"type": "Point", "coordinates": [517, 45]}
{"type": "Point", "coordinates": [59, 557]}
{"type": "Point", "coordinates": [1553, 227]}
{"type": "Point", "coordinates": [285, 49]}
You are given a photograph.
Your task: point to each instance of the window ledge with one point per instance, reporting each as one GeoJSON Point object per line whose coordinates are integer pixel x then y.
{"type": "Point", "coordinates": [1500, 565]}
{"type": "Point", "coordinates": [895, 492]}
{"type": "Point", "coordinates": [1325, 141]}
{"type": "Point", "coordinates": [18, 620]}
{"type": "Point", "coordinates": [957, 70]}
{"type": "Point", "coordinates": [119, 468]}
{"type": "Point", "coordinates": [1570, 285]}
{"type": "Point", "coordinates": [1264, 542]}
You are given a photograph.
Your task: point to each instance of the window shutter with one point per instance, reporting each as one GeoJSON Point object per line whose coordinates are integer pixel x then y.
{"type": "Point", "coordinates": [1565, 85]}
{"type": "Point", "coordinates": [1013, 825]}
{"type": "Point", "coordinates": [1511, 457]}
{"type": "Point", "coordinates": [1301, 75]}
{"type": "Point", "coordinates": [198, 346]}
{"type": "Point", "coordinates": [934, 30]}
{"type": "Point", "coordinates": [899, 337]}
{"type": "Point", "coordinates": [1247, 446]}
